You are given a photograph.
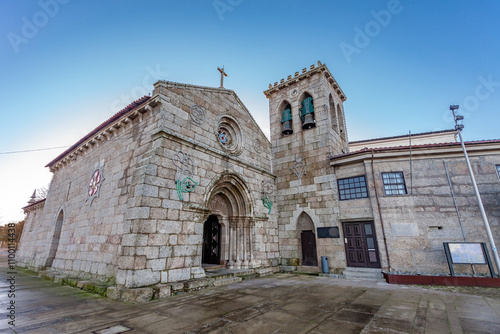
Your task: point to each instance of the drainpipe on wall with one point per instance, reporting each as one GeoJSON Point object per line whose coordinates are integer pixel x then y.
{"type": "Point", "coordinates": [380, 215]}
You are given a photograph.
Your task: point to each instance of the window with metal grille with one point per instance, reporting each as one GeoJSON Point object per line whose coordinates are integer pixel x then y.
{"type": "Point", "coordinates": [394, 183]}
{"type": "Point", "coordinates": [352, 188]}
{"type": "Point", "coordinates": [498, 170]}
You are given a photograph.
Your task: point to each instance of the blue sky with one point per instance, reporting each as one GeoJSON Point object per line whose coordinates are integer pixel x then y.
{"type": "Point", "coordinates": [68, 65]}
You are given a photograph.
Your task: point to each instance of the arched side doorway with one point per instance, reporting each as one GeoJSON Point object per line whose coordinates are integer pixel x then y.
{"type": "Point", "coordinates": [55, 239]}
{"type": "Point", "coordinates": [211, 253]}
{"type": "Point", "coordinates": [305, 227]}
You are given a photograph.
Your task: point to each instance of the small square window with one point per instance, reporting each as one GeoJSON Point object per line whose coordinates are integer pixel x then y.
{"type": "Point", "coordinates": [394, 183]}
{"type": "Point", "coordinates": [352, 188]}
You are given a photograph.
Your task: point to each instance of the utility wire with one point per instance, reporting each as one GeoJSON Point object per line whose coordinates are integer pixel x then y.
{"type": "Point", "coordinates": [35, 150]}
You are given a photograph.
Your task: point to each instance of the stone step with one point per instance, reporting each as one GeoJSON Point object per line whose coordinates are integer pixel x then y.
{"type": "Point", "coordinates": [364, 276]}
{"type": "Point", "coordinates": [367, 270]}
{"type": "Point", "coordinates": [363, 273]}
{"type": "Point", "coordinates": [243, 272]}
{"type": "Point", "coordinates": [227, 281]}
{"type": "Point", "coordinates": [213, 267]}
{"type": "Point", "coordinates": [220, 276]}
{"type": "Point", "coordinates": [308, 269]}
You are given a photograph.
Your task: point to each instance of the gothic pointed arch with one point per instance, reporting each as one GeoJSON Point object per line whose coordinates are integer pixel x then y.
{"type": "Point", "coordinates": [307, 237]}
{"type": "Point", "coordinates": [305, 222]}
{"type": "Point", "coordinates": [228, 230]}
{"type": "Point", "coordinates": [340, 113]}
{"type": "Point", "coordinates": [333, 114]}
{"type": "Point", "coordinates": [55, 238]}
{"type": "Point", "coordinates": [230, 195]}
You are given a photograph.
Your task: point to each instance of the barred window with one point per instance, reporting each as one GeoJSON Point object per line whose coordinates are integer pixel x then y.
{"type": "Point", "coordinates": [498, 170]}
{"type": "Point", "coordinates": [394, 183]}
{"type": "Point", "coordinates": [352, 188]}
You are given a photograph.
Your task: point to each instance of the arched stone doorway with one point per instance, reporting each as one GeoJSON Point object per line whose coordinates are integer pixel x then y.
{"type": "Point", "coordinates": [55, 239]}
{"type": "Point", "coordinates": [211, 241]}
{"type": "Point", "coordinates": [229, 202]}
{"type": "Point", "coordinates": [305, 227]}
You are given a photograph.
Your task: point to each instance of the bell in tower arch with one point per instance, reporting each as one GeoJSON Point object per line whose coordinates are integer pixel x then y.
{"type": "Point", "coordinates": [286, 122]}
{"type": "Point", "coordinates": [307, 114]}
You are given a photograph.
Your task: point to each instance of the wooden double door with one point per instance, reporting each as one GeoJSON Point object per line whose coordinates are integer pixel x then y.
{"type": "Point", "coordinates": [361, 245]}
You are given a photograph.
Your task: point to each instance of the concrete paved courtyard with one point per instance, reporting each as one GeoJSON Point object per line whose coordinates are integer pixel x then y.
{"type": "Point", "coordinates": [281, 303]}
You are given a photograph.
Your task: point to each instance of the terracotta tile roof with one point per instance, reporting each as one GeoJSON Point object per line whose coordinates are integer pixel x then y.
{"type": "Point", "coordinates": [33, 204]}
{"type": "Point", "coordinates": [403, 136]}
{"type": "Point", "coordinates": [113, 118]}
{"type": "Point", "coordinates": [395, 148]}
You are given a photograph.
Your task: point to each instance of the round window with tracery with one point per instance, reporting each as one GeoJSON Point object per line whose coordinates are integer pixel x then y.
{"type": "Point", "coordinates": [229, 134]}
{"type": "Point", "coordinates": [224, 138]}
{"type": "Point", "coordinates": [95, 183]}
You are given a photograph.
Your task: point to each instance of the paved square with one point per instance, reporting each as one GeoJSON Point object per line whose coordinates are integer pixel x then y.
{"type": "Point", "coordinates": [282, 303]}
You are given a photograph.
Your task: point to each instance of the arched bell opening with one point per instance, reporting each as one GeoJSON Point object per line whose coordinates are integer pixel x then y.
{"type": "Point", "coordinates": [333, 114]}
{"type": "Point", "coordinates": [306, 112]}
{"type": "Point", "coordinates": [286, 118]}
{"type": "Point", "coordinates": [307, 240]}
{"type": "Point", "coordinates": [340, 114]}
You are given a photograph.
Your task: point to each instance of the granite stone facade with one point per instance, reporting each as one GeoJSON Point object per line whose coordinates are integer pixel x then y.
{"type": "Point", "coordinates": [138, 231]}
{"type": "Point", "coordinates": [185, 179]}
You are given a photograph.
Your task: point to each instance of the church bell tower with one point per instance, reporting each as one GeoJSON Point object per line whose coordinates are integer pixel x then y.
{"type": "Point", "coordinates": [307, 126]}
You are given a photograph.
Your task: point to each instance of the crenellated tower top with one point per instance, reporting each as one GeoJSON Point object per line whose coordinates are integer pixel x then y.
{"type": "Point", "coordinates": [313, 69]}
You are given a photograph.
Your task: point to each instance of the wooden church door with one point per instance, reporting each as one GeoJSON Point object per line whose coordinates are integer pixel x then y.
{"type": "Point", "coordinates": [309, 255]}
{"type": "Point", "coordinates": [211, 241]}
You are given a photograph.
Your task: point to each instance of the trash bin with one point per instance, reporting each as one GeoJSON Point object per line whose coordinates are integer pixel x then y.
{"type": "Point", "coordinates": [324, 265]}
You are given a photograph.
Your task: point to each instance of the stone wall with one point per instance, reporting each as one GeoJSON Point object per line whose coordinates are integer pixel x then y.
{"type": "Point", "coordinates": [417, 224]}
{"type": "Point", "coordinates": [138, 230]}
{"type": "Point", "coordinates": [91, 229]}
{"type": "Point", "coordinates": [308, 151]}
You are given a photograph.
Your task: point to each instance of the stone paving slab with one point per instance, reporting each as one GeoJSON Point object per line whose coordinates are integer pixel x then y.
{"type": "Point", "coordinates": [282, 303]}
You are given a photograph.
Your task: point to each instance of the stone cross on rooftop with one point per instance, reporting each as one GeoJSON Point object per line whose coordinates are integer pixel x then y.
{"type": "Point", "coordinates": [222, 75]}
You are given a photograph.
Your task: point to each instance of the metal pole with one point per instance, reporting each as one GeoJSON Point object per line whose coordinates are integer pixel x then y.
{"type": "Point", "coordinates": [476, 190]}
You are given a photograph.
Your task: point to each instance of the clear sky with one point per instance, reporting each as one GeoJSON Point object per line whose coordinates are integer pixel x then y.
{"type": "Point", "coordinates": [66, 66]}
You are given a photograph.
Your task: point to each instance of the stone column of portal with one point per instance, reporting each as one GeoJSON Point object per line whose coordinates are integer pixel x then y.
{"type": "Point", "coordinates": [230, 262]}
{"type": "Point", "coordinates": [250, 242]}
{"type": "Point", "coordinates": [237, 264]}
{"type": "Point", "coordinates": [244, 264]}
{"type": "Point", "coordinates": [224, 242]}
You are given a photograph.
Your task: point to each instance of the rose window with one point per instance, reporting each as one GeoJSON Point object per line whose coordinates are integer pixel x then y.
{"type": "Point", "coordinates": [224, 138]}
{"type": "Point", "coordinates": [229, 135]}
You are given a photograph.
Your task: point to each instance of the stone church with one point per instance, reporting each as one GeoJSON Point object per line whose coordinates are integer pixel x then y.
{"type": "Point", "coordinates": [185, 180]}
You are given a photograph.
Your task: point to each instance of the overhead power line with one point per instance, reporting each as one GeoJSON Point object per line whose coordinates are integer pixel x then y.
{"type": "Point", "coordinates": [35, 150]}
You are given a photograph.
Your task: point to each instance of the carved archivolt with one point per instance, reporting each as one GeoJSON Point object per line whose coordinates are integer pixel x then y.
{"type": "Point", "coordinates": [229, 190]}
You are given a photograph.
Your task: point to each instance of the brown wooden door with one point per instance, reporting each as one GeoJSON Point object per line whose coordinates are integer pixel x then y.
{"type": "Point", "coordinates": [309, 255]}
{"type": "Point", "coordinates": [361, 245]}
{"type": "Point", "coordinates": [211, 241]}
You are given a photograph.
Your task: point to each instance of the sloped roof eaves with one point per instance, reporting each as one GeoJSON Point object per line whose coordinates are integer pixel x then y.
{"type": "Point", "coordinates": [251, 116]}
{"type": "Point", "coordinates": [402, 136]}
{"type": "Point", "coordinates": [33, 204]}
{"type": "Point", "coordinates": [423, 146]}
{"type": "Point", "coordinates": [113, 118]}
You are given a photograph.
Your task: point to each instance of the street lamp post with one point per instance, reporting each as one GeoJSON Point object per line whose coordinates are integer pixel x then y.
{"type": "Point", "coordinates": [459, 128]}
